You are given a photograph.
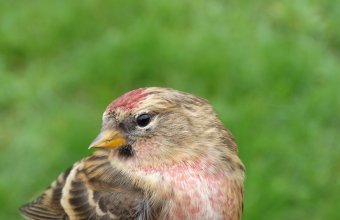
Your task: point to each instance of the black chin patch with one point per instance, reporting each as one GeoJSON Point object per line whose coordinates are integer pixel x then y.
{"type": "Point", "coordinates": [126, 151]}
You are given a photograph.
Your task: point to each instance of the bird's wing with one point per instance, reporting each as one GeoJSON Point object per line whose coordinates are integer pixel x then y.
{"type": "Point", "coordinates": [92, 189]}
{"type": "Point", "coordinates": [47, 205]}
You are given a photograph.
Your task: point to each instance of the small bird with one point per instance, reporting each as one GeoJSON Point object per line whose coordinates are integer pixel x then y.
{"type": "Point", "coordinates": [161, 154]}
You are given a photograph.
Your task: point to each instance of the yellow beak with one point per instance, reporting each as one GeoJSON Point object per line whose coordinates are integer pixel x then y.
{"type": "Point", "coordinates": [109, 139]}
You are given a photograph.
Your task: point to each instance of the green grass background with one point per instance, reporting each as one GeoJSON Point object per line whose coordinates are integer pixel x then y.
{"type": "Point", "coordinates": [270, 68]}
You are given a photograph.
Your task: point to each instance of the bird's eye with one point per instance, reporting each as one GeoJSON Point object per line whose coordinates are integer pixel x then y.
{"type": "Point", "coordinates": [143, 120]}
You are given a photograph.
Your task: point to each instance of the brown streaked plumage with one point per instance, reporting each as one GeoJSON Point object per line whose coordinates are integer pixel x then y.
{"type": "Point", "coordinates": [162, 154]}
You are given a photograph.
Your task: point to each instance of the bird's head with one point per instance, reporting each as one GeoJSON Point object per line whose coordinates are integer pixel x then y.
{"type": "Point", "coordinates": [154, 124]}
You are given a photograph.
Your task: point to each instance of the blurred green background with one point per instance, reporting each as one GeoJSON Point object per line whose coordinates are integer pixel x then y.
{"type": "Point", "coordinates": [270, 68]}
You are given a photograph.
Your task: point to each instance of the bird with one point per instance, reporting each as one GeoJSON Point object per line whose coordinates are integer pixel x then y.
{"type": "Point", "coordinates": [160, 154]}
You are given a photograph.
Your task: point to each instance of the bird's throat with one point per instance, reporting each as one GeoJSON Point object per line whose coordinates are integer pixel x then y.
{"type": "Point", "coordinates": [126, 151]}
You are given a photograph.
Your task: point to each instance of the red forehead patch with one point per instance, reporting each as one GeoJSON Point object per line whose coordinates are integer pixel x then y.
{"type": "Point", "coordinates": [128, 100]}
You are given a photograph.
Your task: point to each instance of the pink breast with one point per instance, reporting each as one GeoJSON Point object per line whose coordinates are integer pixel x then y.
{"type": "Point", "coordinates": [197, 192]}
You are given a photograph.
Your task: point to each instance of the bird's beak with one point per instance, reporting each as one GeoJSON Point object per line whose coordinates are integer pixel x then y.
{"type": "Point", "coordinates": [109, 139]}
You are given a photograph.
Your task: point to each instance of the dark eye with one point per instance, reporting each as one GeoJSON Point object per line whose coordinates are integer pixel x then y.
{"type": "Point", "coordinates": [143, 120]}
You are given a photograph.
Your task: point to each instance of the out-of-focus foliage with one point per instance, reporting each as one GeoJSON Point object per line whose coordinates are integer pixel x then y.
{"type": "Point", "coordinates": [270, 68]}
